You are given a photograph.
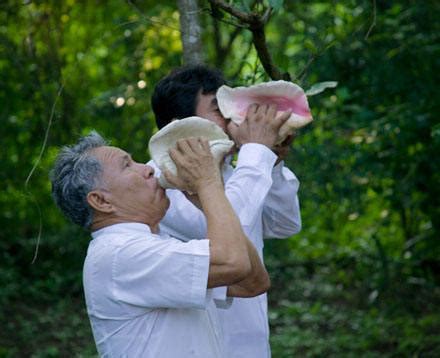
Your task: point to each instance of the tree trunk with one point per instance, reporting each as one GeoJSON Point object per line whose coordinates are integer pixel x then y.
{"type": "Point", "coordinates": [190, 32]}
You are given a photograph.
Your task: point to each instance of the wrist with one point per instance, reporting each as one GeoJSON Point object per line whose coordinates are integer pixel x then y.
{"type": "Point", "coordinates": [209, 186]}
{"type": "Point", "coordinates": [210, 194]}
{"type": "Point", "coordinates": [260, 142]}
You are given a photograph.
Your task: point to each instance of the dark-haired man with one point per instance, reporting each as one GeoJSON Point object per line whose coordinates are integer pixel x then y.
{"type": "Point", "coordinates": [262, 191]}
{"type": "Point", "coordinates": [148, 294]}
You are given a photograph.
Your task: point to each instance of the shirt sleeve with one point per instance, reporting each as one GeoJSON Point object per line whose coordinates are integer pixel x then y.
{"type": "Point", "coordinates": [161, 273]}
{"type": "Point", "coordinates": [281, 211]}
{"type": "Point", "coordinates": [220, 297]}
{"type": "Point", "coordinates": [249, 184]}
{"type": "Point", "coordinates": [246, 189]}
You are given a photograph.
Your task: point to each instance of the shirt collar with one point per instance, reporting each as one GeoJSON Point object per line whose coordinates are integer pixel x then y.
{"type": "Point", "coordinates": [122, 228]}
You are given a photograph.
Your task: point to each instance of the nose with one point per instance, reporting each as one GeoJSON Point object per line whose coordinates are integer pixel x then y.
{"type": "Point", "coordinates": [149, 171]}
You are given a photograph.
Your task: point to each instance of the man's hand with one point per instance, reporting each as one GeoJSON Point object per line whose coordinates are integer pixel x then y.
{"type": "Point", "coordinates": [260, 126]}
{"type": "Point", "coordinates": [195, 165]}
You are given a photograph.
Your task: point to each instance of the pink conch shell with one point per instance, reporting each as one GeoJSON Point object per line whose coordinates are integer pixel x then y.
{"type": "Point", "coordinates": [234, 102]}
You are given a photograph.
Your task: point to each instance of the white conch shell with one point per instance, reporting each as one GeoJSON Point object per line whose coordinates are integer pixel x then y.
{"type": "Point", "coordinates": [161, 142]}
{"type": "Point", "coordinates": [234, 102]}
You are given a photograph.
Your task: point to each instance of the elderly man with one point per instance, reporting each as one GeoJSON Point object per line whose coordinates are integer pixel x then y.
{"type": "Point", "coordinates": [262, 191]}
{"type": "Point", "coordinates": [148, 294]}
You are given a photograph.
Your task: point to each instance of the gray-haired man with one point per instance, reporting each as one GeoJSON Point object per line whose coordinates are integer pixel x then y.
{"type": "Point", "coordinates": [148, 295]}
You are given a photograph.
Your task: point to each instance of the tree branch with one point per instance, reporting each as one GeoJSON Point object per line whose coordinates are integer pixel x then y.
{"type": "Point", "coordinates": [222, 50]}
{"type": "Point", "coordinates": [255, 23]}
{"type": "Point", "coordinates": [259, 40]}
{"type": "Point", "coordinates": [230, 9]}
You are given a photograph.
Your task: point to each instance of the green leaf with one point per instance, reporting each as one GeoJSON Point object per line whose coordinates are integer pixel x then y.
{"type": "Point", "coordinates": [276, 4]}
{"type": "Point", "coordinates": [245, 5]}
{"type": "Point", "coordinates": [320, 87]}
{"type": "Point", "coordinates": [309, 45]}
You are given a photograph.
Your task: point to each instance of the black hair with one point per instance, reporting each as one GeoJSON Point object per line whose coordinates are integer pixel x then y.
{"type": "Point", "coordinates": [175, 95]}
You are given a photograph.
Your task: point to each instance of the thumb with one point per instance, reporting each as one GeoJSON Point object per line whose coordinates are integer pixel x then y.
{"type": "Point", "coordinates": [232, 129]}
{"type": "Point", "coordinates": [173, 179]}
{"type": "Point", "coordinates": [283, 117]}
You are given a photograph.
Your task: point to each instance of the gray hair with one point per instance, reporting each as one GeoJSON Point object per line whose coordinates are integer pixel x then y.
{"type": "Point", "coordinates": [76, 172]}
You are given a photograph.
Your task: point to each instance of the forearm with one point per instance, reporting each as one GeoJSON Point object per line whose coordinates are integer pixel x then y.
{"type": "Point", "coordinates": [256, 283]}
{"type": "Point", "coordinates": [228, 245]}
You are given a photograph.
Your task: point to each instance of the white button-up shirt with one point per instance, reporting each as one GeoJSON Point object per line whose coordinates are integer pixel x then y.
{"type": "Point", "coordinates": [147, 295]}
{"type": "Point", "coordinates": [265, 199]}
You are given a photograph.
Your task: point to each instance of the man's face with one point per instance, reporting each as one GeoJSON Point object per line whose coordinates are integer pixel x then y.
{"type": "Point", "coordinates": [131, 186]}
{"type": "Point", "coordinates": [207, 107]}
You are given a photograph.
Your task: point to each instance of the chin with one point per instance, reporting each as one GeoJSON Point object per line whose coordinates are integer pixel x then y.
{"type": "Point", "coordinates": [164, 204]}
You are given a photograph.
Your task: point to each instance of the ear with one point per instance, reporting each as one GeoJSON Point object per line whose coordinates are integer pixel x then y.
{"type": "Point", "coordinates": [98, 200]}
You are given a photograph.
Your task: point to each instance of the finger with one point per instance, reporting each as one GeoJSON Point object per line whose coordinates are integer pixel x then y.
{"type": "Point", "coordinates": [232, 129]}
{"type": "Point", "coordinates": [272, 111]}
{"type": "Point", "coordinates": [204, 144]}
{"type": "Point", "coordinates": [183, 146]}
{"type": "Point", "coordinates": [285, 115]}
{"type": "Point", "coordinates": [199, 145]}
{"type": "Point", "coordinates": [262, 109]}
{"type": "Point", "coordinates": [173, 179]}
{"type": "Point", "coordinates": [175, 155]}
{"type": "Point", "coordinates": [194, 144]}
{"type": "Point", "coordinates": [282, 118]}
{"type": "Point", "coordinates": [252, 109]}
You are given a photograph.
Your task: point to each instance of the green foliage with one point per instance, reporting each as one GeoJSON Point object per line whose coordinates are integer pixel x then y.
{"type": "Point", "coordinates": [362, 276]}
{"type": "Point", "coordinates": [335, 308]}
{"type": "Point", "coordinates": [320, 87]}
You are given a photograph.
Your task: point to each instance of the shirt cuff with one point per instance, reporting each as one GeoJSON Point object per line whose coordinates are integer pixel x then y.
{"type": "Point", "coordinates": [256, 155]}
{"type": "Point", "coordinates": [200, 271]}
{"type": "Point", "coordinates": [224, 305]}
{"type": "Point", "coordinates": [278, 169]}
{"type": "Point", "coordinates": [221, 300]}
{"type": "Point", "coordinates": [219, 296]}
{"type": "Point", "coordinates": [280, 172]}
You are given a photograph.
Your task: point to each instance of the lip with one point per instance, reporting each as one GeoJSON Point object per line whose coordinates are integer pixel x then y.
{"type": "Point", "coordinates": [157, 185]}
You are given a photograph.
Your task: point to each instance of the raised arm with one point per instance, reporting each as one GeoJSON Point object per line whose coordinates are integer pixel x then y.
{"type": "Point", "coordinates": [246, 187]}
{"type": "Point", "coordinates": [230, 260]}
{"type": "Point", "coordinates": [281, 212]}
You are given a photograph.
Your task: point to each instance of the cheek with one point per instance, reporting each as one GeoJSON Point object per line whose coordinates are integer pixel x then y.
{"type": "Point", "coordinates": [214, 117]}
{"type": "Point", "coordinates": [220, 121]}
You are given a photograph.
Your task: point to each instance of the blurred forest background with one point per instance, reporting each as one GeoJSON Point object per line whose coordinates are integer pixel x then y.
{"type": "Point", "coordinates": [363, 276]}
